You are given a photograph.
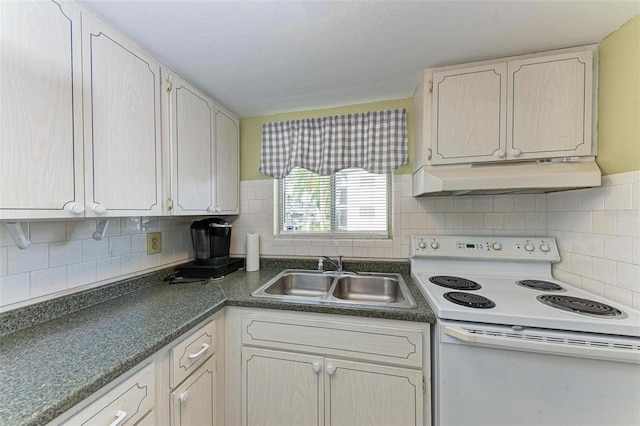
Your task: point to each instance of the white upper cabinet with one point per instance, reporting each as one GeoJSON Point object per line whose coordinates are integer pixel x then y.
{"type": "Point", "coordinates": [40, 110]}
{"type": "Point", "coordinates": [192, 148]}
{"type": "Point", "coordinates": [227, 162]}
{"type": "Point", "coordinates": [202, 152]}
{"type": "Point", "coordinates": [549, 112]}
{"type": "Point", "coordinates": [81, 126]}
{"type": "Point", "coordinates": [122, 125]}
{"type": "Point", "coordinates": [469, 110]}
{"type": "Point", "coordinates": [531, 107]}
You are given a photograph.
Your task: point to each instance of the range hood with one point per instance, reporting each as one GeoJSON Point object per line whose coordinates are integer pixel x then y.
{"type": "Point", "coordinates": [503, 178]}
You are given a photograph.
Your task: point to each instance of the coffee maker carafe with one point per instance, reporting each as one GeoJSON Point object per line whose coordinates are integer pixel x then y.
{"type": "Point", "coordinates": [211, 239]}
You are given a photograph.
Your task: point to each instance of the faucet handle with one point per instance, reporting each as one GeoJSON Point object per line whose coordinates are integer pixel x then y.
{"type": "Point", "coordinates": [320, 265]}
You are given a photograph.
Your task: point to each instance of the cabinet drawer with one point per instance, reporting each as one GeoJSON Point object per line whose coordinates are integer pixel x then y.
{"type": "Point", "coordinates": [357, 340]}
{"type": "Point", "coordinates": [130, 401]}
{"type": "Point", "coordinates": [191, 352]}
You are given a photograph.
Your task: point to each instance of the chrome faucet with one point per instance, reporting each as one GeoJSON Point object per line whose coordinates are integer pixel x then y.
{"type": "Point", "coordinates": [338, 265]}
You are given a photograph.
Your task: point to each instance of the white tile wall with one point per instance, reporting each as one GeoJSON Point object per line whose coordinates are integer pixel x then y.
{"type": "Point", "coordinates": [598, 229]}
{"type": "Point", "coordinates": [598, 233]}
{"type": "Point", "coordinates": [64, 258]}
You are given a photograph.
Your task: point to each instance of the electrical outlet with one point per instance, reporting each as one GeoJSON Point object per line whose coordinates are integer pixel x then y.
{"type": "Point", "coordinates": [154, 242]}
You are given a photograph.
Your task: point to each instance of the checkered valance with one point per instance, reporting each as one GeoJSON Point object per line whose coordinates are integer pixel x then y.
{"type": "Point", "coordinates": [374, 141]}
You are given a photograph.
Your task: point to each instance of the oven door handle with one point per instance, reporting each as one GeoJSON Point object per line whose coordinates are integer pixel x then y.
{"type": "Point", "coordinates": [552, 348]}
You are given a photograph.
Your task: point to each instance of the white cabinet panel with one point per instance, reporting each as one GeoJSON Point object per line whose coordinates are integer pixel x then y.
{"type": "Point", "coordinates": [129, 401]}
{"type": "Point", "coordinates": [227, 163]}
{"type": "Point", "coordinates": [40, 110]}
{"type": "Point", "coordinates": [194, 401]}
{"type": "Point", "coordinates": [280, 388]}
{"type": "Point", "coordinates": [192, 149]}
{"type": "Point", "coordinates": [363, 394]}
{"type": "Point", "coordinates": [468, 114]}
{"type": "Point", "coordinates": [122, 125]}
{"type": "Point", "coordinates": [550, 109]}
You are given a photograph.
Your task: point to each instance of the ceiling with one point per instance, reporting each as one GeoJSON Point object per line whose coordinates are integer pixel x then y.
{"type": "Point", "coordinates": [266, 57]}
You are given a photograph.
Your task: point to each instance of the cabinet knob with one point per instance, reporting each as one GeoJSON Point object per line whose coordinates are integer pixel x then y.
{"type": "Point", "coordinates": [76, 208]}
{"type": "Point", "coordinates": [499, 153]}
{"type": "Point", "coordinates": [184, 396]}
{"type": "Point", "coordinates": [315, 367]}
{"type": "Point", "coordinates": [98, 208]}
{"type": "Point", "coordinates": [330, 370]}
{"type": "Point", "coordinates": [515, 152]}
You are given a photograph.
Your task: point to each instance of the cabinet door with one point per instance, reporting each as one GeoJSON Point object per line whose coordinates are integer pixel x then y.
{"type": "Point", "coordinates": [280, 388]}
{"type": "Point", "coordinates": [194, 401]}
{"type": "Point", "coordinates": [40, 110]}
{"type": "Point", "coordinates": [227, 163]}
{"type": "Point", "coordinates": [192, 150]}
{"type": "Point", "coordinates": [468, 114]}
{"type": "Point", "coordinates": [366, 394]}
{"type": "Point", "coordinates": [122, 125]}
{"type": "Point", "coordinates": [549, 112]}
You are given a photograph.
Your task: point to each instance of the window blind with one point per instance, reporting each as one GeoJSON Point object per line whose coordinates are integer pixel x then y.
{"type": "Point", "coordinates": [349, 201]}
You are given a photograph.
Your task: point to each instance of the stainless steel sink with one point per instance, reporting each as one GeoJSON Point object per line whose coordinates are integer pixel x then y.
{"type": "Point", "coordinates": [347, 288]}
{"type": "Point", "coordinates": [300, 283]}
{"type": "Point", "coordinates": [379, 289]}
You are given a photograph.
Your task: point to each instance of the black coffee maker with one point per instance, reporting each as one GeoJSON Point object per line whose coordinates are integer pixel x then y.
{"type": "Point", "coordinates": [211, 239]}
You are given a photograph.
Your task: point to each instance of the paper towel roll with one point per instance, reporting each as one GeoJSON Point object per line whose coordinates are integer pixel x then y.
{"type": "Point", "coordinates": [253, 252]}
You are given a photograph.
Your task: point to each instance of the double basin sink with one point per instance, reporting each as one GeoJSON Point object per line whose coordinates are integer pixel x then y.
{"type": "Point", "coordinates": [341, 287]}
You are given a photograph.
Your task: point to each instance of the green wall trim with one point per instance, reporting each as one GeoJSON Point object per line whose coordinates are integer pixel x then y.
{"type": "Point", "coordinates": [251, 131]}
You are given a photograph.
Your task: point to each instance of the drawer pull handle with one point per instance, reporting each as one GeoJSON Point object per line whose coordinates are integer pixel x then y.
{"type": "Point", "coordinates": [199, 353]}
{"type": "Point", "coordinates": [120, 417]}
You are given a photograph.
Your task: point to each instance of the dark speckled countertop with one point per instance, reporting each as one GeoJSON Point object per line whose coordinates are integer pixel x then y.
{"type": "Point", "coordinates": [48, 367]}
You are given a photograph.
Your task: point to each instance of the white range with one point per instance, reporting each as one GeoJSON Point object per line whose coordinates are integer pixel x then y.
{"type": "Point", "coordinates": [514, 346]}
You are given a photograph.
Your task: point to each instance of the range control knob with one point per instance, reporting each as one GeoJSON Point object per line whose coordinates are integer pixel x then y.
{"type": "Point", "coordinates": [422, 244]}
{"type": "Point", "coordinates": [544, 248]}
{"type": "Point", "coordinates": [496, 246]}
{"type": "Point", "coordinates": [435, 245]}
{"type": "Point", "coordinates": [529, 247]}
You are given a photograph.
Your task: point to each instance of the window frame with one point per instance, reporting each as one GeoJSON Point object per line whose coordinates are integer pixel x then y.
{"type": "Point", "coordinates": [335, 234]}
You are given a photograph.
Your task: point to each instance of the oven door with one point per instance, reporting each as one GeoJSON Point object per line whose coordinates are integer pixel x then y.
{"type": "Point", "coordinates": [494, 375]}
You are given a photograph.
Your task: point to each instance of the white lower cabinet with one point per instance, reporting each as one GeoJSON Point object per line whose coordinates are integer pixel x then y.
{"type": "Point", "coordinates": [193, 378]}
{"type": "Point", "coordinates": [129, 402]}
{"type": "Point", "coordinates": [179, 385]}
{"type": "Point", "coordinates": [194, 401]}
{"type": "Point", "coordinates": [312, 370]}
{"type": "Point", "coordinates": [279, 369]}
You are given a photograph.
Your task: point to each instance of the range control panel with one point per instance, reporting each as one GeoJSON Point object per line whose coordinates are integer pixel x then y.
{"type": "Point", "coordinates": [542, 249]}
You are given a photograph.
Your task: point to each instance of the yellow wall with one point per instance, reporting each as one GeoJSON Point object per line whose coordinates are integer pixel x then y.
{"type": "Point", "coordinates": [251, 131]}
{"type": "Point", "coordinates": [619, 100]}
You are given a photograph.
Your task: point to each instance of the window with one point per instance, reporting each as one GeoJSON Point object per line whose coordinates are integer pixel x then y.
{"type": "Point", "coordinates": [348, 202]}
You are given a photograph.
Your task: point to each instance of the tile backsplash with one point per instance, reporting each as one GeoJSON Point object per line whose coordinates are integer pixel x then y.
{"type": "Point", "coordinates": [64, 258]}
{"type": "Point", "coordinates": [597, 229]}
{"type": "Point", "coordinates": [598, 233]}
